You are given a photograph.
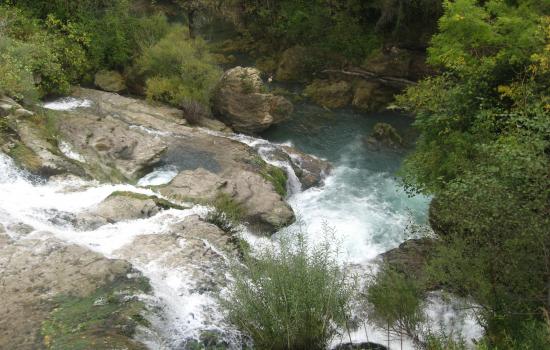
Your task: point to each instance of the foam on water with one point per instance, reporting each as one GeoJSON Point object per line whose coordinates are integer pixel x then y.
{"type": "Point", "coordinates": [67, 104]}
{"type": "Point", "coordinates": [184, 311]}
{"type": "Point", "coordinates": [68, 152]}
{"type": "Point", "coordinates": [159, 176]}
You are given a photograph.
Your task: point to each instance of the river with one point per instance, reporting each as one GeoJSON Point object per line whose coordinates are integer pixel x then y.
{"type": "Point", "coordinates": [362, 200]}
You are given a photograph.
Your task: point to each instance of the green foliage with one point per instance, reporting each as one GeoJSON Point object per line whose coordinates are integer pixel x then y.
{"type": "Point", "coordinates": [227, 216]}
{"type": "Point", "coordinates": [396, 303]}
{"type": "Point", "coordinates": [178, 68]}
{"type": "Point", "coordinates": [31, 66]}
{"type": "Point", "coordinates": [232, 210]}
{"type": "Point", "coordinates": [292, 297]}
{"type": "Point", "coordinates": [483, 151]}
{"type": "Point", "coordinates": [46, 46]}
{"type": "Point", "coordinates": [339, 28]}
{"type": "Point", "coordinates": [277, 177]}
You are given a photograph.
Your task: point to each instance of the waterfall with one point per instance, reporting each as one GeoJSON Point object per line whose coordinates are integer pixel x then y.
{"type": "Point", "coordinates": [184, 311]}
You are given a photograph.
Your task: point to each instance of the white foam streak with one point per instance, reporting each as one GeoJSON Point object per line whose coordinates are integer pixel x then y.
{"type": "Point", "coordinates": [159, 176]}
{"type": "Point", "coordinates": [67, 104]}
{"type": "Point", "coordinates": [184, 310]}
{"type": "Point", "coordinates": [68, 152]}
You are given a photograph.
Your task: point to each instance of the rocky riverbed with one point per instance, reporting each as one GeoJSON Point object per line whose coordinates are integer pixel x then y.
{"type": "Point", "coordinates": [101, 244]}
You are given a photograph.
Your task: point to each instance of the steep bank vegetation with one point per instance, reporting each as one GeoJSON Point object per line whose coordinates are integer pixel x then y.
{"type": "Point", "coordinates": [47, 46]}
{"type": "Point", "coordinates": [484, 152]}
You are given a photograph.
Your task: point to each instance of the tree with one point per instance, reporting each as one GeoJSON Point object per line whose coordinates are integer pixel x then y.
{"type": "Point", "coordinates": [483, 152]}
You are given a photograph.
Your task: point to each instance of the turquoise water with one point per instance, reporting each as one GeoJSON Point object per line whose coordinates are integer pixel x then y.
{"type": "Point", "coordinates": [362, 200]}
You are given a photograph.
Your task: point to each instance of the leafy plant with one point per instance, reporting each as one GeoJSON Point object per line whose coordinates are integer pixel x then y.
{"type": "Point", "coordinates": [294, 296]}
{"type": "Point", "coordinates": [178, 69]}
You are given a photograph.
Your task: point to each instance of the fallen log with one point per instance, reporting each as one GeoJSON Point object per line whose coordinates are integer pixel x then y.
{"type": "Point", "coordinates": [387, 80]}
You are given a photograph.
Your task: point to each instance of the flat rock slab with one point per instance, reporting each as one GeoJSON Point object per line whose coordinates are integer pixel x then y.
{"type": "Point", "coordinates": [32, 272]}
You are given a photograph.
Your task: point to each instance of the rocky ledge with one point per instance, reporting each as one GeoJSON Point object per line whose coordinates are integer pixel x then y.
{"type": "Point", "coordinates": [57, 295]}
{"type": "Point", "coordinates": [118, 139]}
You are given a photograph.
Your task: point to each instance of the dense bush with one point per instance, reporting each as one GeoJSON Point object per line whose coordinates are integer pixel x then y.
{"type": "Point", "coordinates": [395, 303]}
{"type": "Point", "coordinates": [178, 68]}
{"type": "Point", "coordinates": [483, 151]}
{"type": "Point", "coordinates": [294, 296]}
{"type": "Point", "coordinates": [32, 60]}
{"type": "Point", "coordinates": [59, 44]}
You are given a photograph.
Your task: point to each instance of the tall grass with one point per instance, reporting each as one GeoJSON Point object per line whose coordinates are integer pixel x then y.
{"type": "Point", "coordinates": [291, 295]}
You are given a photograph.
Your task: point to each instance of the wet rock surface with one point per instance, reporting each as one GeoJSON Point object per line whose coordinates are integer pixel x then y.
{"type": "Point", "coordinates": [241, 102]}
{"type": "Point", "coordinates": [193, 247]}
{"type": "Point", "coordinates": [35, 271]}
{"type": "Point", "coordinates": [411, 257]}
{"type": "Point", "coordinates": [123, 137]}
{"type": "Point", "coordinates": [309, 169]}
{"type": "Point", "coordinates": [115, 208]}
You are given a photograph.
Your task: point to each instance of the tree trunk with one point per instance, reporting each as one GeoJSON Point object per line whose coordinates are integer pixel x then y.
{"type": "Point", "coordinates": [191, 18]}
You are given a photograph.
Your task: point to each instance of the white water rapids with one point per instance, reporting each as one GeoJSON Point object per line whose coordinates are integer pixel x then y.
{"type": "Point", "coordinates": [366, 220]}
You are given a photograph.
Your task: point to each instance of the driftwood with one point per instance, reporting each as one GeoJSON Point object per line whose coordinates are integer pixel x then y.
{"type": "Point", "coordinates": [391, 81]}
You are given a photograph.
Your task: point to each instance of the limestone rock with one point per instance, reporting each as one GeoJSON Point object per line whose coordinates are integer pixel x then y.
{"type": "Point", "coordinates": [191, 245]}
{"type": "Point", "coordinates": [145, 135]}
{"type": "Point", "coordinates": [112, 149]}
{"type": "Point", "coordinates": [384, 135]}
{"type": "Point", "coordinates": [37, 153]}
{"type": "Point", "coordinates": [329, 94]}
{"type": "Point", "coordinates": [35, 271]}
{"type": "Point", "coordinates": [264, 208]}
{"type": "Point", "coordinates": [309, 169]}
{"type": "Point", "coordinates": [20, 229]}
{"type": "Point", "coordinates": [372, 96]}
{"type": "Point", "coordinates": [240, 102]}
{"type": "Point", "coordinates": [111, 81]}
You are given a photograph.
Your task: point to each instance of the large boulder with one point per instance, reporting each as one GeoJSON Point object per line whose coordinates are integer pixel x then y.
{"type": "Point", "coordinates": [240, 101]}
{"type": "Point", "coordinates": [111, 81]}
{"type": "Point", "coordinates": [329, 93]}
{"type": "Point", "coordinates": [264, 209]}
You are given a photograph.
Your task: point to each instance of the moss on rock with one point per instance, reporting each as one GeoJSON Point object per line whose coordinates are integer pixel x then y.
{"type": "Point", "coordinates": [25, 158]}
{"type": "Point", "coordinates": [277, 177]}
{"type": "Point", "coordinates": [329, 94]}
{"type": "Point", "coordinates": [160, 202]}
{"type": "Point", "coordinates": [105, 319]}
